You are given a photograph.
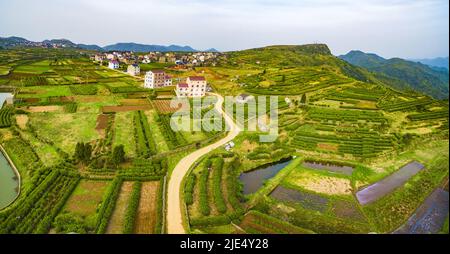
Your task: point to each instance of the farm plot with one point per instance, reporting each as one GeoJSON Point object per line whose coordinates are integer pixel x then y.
{"type": "Point", "coordinates": [319, 182]}
{"type": "Point", "coordinates": [71, 128]}
{"type": "Point", "coordinates": [113, 109]}
{"type": "Point", "coordinates": [147, 213]}
{"type": "Point", "coordinates": [42, 109]}
{"type": "Point", "coordinates": [86, 198]}
{"type": "Point", "coordinates": [306, 200]}
{"type": "Point", "coordinates": [134, 102]}
{"type": "Point", "coordinates": [22, 121]}
{"type": "Point", "coordinates": [123, 133]}
{"type": "Point", "coordinates": [116, 222]}
{"type": "Point", "coordinates": [163, 106]}
{"type": "Point", "coordinates": [388, 184]}
{"type": "Point", "coordinates": [102, 122]}
{"type": "Point", "coordinates": [43, 91]}
{"type": "Point", "coordinates": [255, 222]}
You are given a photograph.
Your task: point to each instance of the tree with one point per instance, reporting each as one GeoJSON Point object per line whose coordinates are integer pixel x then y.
{"type": "Point", "coordinates": [264, 71]}
{"type": "Point", "coordinates": [303, 99]}
{"type": "Point", "coordinates": [118, 155]}
{"type": "Point", "coordinates": [87, 153]}
{"type": "Point", "coordinates": [83, 152]}
{"type": "Point", "coordinates": [283, 78]}
{"type": "Point", "coordinates": [79, 151]}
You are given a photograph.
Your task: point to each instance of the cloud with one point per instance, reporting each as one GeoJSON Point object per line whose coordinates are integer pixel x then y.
{"type": "Point", "coordinates": [404, 28]}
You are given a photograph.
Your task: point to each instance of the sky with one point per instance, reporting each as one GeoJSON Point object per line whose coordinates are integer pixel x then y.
{"type": "Point", "coordinates": [395, 28]}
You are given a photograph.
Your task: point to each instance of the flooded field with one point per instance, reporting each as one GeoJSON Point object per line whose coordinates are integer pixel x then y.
{"type": "Point", "coordinates": [347, 170]}
{"type": "Point", "coordinates": [388, 184]}
{"type": "Point", "coordinates": [253, 180]}
{"type": "Point", "coordinates": [9, 183]}
{"type": "Point", "coordinates": [429, 217]}
{"type": "Point", "coordinates": [306, 200]}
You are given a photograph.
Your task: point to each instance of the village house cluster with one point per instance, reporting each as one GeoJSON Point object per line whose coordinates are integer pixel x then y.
{"type": "Point", "coordinates": [180, 59]}
{"type": "Point", "coordinates": [193, 86]}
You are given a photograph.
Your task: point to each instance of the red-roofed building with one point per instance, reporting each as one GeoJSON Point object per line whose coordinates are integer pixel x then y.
{"type": "Point", "coordinates": [157, 78]}
{"type": "Point", "coordinates": [195, 86]}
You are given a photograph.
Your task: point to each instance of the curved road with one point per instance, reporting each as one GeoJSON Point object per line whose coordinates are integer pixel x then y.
{"type": "Point", "coordinates": [174, 208]}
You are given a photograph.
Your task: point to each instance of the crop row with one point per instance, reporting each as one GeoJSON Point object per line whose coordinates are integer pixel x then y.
{"type": "Point", "coordinates": [428, 115]}
{"type": "Point", "coordinates": [36, 213]}
{"type": "Point", "coordinates": [145, 145]}
{"type": "Point", "coordinates": [5, 117]}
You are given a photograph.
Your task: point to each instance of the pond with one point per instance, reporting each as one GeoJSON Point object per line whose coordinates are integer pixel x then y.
{"type": "Point", "coordinates": [347, 170]}
{"type": "Point", "coordinates": [9, 183]}
{"type": "Point", "coordinates": [253, 180]}
{"type": "Point", "coordinates": [430, 217]}
{"type": "Point", "coordinates": [390, 183]}
{"type": "Point", "coordinates": [3, 97]}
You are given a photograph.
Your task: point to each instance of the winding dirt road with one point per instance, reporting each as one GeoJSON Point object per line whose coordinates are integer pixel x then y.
{"type": "Point", "coordinates": [174, 203]}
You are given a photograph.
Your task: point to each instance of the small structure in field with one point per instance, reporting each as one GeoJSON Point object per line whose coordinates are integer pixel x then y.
{"type": "Point", "coordinates": [243, 98]}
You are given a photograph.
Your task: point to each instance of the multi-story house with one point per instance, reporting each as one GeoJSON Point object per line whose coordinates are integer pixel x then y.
{"type": "Point", "coordinates": [155, 78]}
{"type": "Point", "coordinates": [114, 64]}
{"type": "Point", "coordinates": [195, 86]}
{"type": "Point", "coordinates": [133, 69]}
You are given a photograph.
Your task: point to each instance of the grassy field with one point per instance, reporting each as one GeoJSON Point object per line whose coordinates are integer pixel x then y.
{"type": "Point", "coordinates": [85, 200]}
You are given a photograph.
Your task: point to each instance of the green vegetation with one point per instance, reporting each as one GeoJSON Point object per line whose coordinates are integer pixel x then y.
{"type": "Point", "coordinates": [5, 117]}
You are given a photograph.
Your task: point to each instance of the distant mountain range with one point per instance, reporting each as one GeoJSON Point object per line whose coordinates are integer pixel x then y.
{"type": "Point", "coordinates": [403, 74]}
{"type": "Point", "coordinates": [439, 62]}
{"type": "Point", "coordinates": [9, 42]}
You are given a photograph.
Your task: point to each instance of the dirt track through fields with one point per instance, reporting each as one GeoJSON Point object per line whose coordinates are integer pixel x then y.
{"type": "Point", "coordinates": [115, 224]}
{"type": "Point", "coordinates": [174, 208]}
{"type": "Point", "coordinates": [146, 214]}
{"type": "Point", "coordinates": [385, 186]}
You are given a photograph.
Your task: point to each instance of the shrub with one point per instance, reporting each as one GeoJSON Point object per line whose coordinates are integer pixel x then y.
{"type": "Point", "coordinates": [133, 205]}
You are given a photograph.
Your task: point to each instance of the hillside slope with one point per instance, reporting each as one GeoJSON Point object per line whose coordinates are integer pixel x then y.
{"type": "Point", "coordinates": [403, 74]}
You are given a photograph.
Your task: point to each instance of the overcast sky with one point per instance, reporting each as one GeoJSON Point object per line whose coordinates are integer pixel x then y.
{"type": "Point", "coordinates": [395, 28]}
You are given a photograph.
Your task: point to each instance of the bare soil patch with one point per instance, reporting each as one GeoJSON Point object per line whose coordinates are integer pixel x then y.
{"type": "Point", "coordinates": [102, 122]}
{"type": "Point", "coordinates": [329, 147]}
{"type": "Point", "coordinates": [22, 121]}
{"type": "Point", "coordinates": [163, 106]}
{"type": "Point", "coordinates": [327, 185]}
{"type": "Point", "coordinates": [40, 109]}
{"type": "Point", "coordinates": [146, 214]}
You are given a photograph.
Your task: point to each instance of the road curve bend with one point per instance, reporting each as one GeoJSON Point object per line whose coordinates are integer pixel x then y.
{"type": "Point", "coordinates": [174, 206]}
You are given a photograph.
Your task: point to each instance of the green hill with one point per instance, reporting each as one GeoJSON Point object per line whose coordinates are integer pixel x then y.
{"type": "Point", "coordinates": [403, 74]}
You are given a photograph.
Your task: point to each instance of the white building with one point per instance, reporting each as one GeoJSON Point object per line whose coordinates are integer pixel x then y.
{"type": "Point", "coordinates": [133, 69]}
{"type": "Point", "coordinates": [156, 78]}
{"type": "Point", "coordinates": [114, 64]}
{"type": "Point", "coordinates": [195, 86]}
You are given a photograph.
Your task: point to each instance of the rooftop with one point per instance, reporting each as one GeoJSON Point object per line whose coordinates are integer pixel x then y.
{"type": "Point", "coordinates": [183, 85]}
{"type": "Point", "coordinates": [197, 78]}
